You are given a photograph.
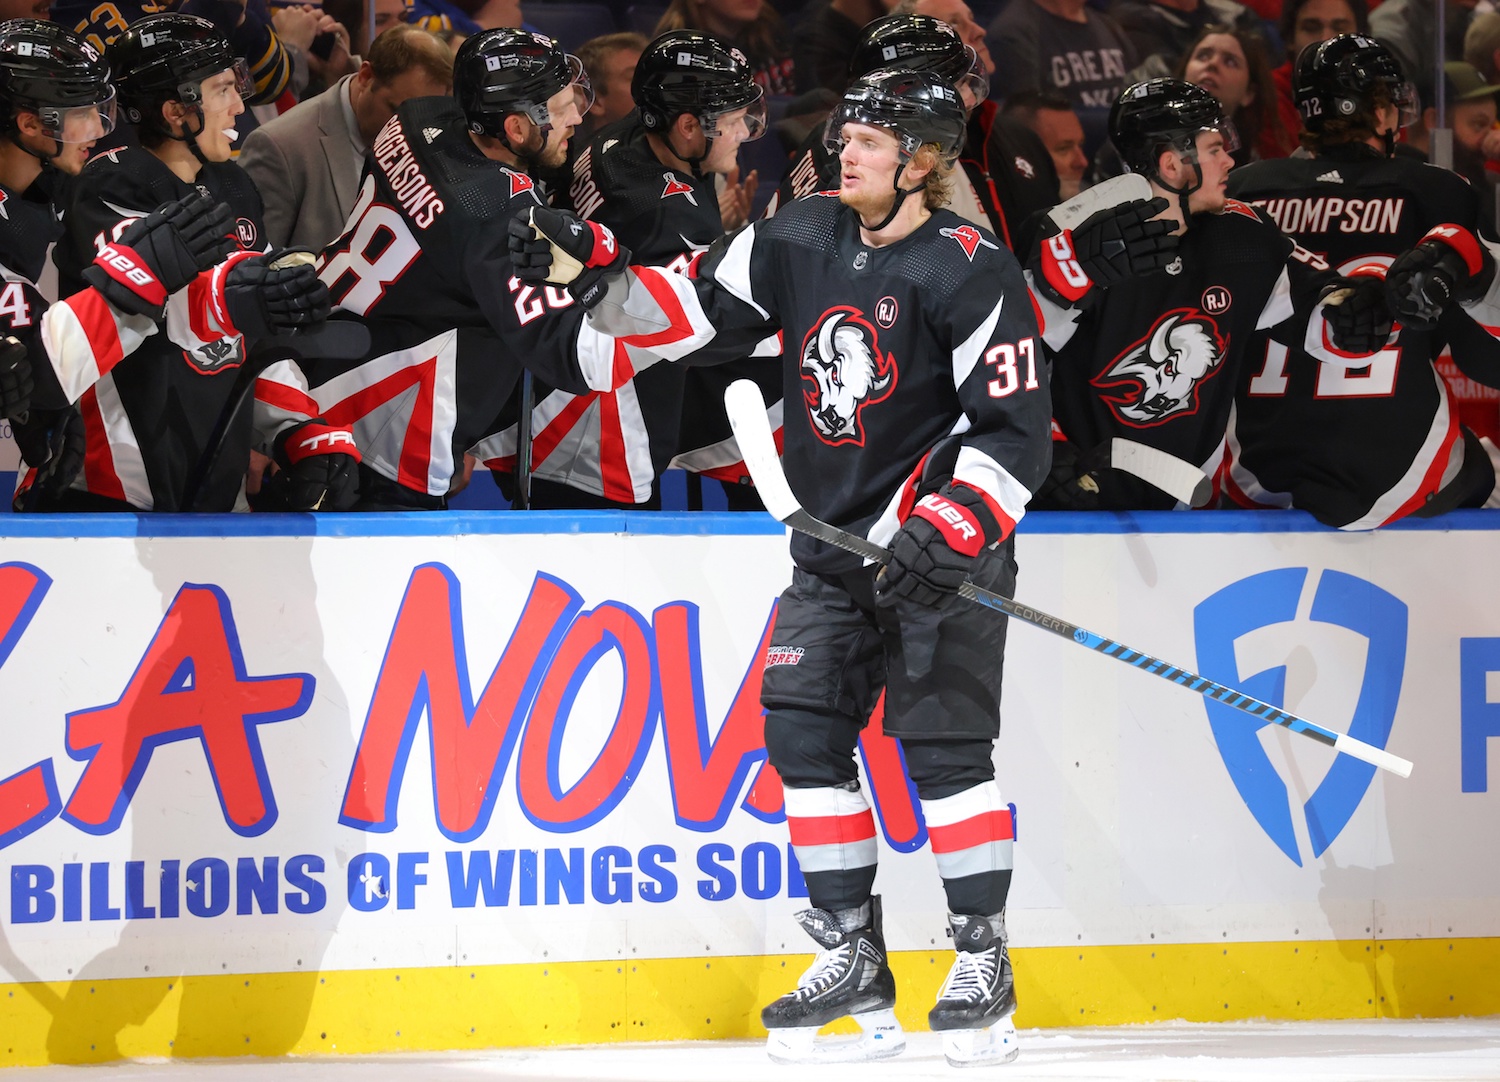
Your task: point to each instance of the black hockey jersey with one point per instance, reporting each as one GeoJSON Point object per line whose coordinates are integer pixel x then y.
{"type": "Point", "coordinates": [423, 263]}
{"type": "Point", "coordinates": [1356, 447]}
{"type": "Point", "coordinates": [151, 422]}
{"type": "Point", "coordinates": [1011, 176]}
{"type": "Point", "coordinates": [1155, 359]}
{"type": "Point", "coordinates": [614, 443]}
{"type": "Point", "coordinates": [888, 352]}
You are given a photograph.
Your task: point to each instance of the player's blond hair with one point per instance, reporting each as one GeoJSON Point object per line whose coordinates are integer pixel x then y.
{"type": "Point", "coordinates": [939, 190]}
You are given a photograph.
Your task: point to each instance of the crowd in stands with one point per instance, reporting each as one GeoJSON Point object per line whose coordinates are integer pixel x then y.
{"type": "Point", "coordinates": [326, 78]}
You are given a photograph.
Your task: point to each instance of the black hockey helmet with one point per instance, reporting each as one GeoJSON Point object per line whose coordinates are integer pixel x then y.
{"type": "Point", "coordinates": [166, 57]}
{"type": "Point", "coordinates": [48, 70]}
{"type": "Point", "coordinates": [688, 71]}
{"type": "Point", "coordinates": [504, 71]}
{"type": "Point", "coordinates": [1337, 79]}
{"type": "Point", "coordinates": [1165, 114]}
{"type": "Point", "coordinates": [918, 107]}
{"type": "Point", "coordinates": [919, 43]}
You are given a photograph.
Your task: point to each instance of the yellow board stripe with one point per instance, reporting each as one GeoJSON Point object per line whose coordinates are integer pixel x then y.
{"type": "Point", "coordinates": [384, 1010]}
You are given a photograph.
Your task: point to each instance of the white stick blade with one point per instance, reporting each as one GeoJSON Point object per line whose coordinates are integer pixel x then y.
{"type": "Point", "coordinates": [752, 431]}
{"type": "Point", "coordinates": [1179, 479]}
{"type": "Point", "coordinates": [1369, 753]}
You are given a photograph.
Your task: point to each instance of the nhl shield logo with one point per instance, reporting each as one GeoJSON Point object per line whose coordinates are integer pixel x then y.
{"type": "Point", "coordinates": [1158, 377]}
{"type": "Point", "coordinates": [843, 371]}
{"type": "Point", "coordinates": [678, 187]}
{"type": "Point", "coordinates": [969, 239]}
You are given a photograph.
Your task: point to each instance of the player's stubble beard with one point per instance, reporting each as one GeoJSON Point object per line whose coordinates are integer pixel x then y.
{"type": "Point", "coordinates": [871, 206]}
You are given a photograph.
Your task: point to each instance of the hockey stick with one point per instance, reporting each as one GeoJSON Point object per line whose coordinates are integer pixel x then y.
{"type": "Point", "coordinates": [747, 416]}
{"type": "Point", "coordinates": [1179, 479]}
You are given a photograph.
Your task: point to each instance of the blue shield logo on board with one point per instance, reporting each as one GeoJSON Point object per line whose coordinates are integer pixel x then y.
{"type": "Point", "coordinates": [1270, 598]}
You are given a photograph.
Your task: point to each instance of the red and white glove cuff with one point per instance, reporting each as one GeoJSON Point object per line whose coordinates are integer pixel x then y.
{"type": "Point", "coordinates": [1061, 268]}
{"type": "Point", "coordinates": [319, 438]}
{"type": "Point", "coordinates": [958, 525]}
{"type": "Point", "coordinates": [606, 248]}
{"type": "Point", "coordinates": [121, 263]}
{"type": "Point", "coordinates": [1462, 241]}
{"type": "Point", "coordinates": [217, 279]}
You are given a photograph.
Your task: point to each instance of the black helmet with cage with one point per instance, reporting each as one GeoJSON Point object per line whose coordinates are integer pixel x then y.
{"type": "Point", "coordinates": [502, 72]}
{"type": "Point", "coordinates": [1346, 79]}
{"type": "Point", "coordinates": [919, 43]}
{"type": "Point", "coordinates": [48, 70]}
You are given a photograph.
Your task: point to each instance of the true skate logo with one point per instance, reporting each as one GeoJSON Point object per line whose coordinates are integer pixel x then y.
{"type": "Point", "coordinates": [519, 182]}
{"type": "Point", "coordinates": [1238, 647]}
{"type": "Point", "coordinates": [1157, 378]}
{"type": "Point", "coordinates": [969, 239]}
{"type": "Point", "coordinates": [332, 438]}
{"type": "Point", "coordinates": [783, 655]}
{"type": "Point", "coordinates": [841, 359]}
{"type": "Point", "coordinates": [677, 187]}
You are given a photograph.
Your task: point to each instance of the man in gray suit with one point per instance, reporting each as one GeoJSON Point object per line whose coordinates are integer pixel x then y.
{"type": "Point", "coordinates": [307, 162]}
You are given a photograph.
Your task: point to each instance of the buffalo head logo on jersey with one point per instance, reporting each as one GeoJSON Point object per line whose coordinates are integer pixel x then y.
{"type": "Point", "coordinates": [841, 358]}
{"type": "Point", "coordinates": [1158, 377]}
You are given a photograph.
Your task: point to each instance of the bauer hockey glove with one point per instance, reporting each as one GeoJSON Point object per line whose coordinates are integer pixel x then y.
{"type": "Point", "coordinates": [551, 246]}
{"type": "Point", "coordinates": [159, 254]}
{"type": "Point", "coordinates": [1358, 319]}
{"type": "Point", "coordinates": [934, 550]}
{"type": "Point", "coordinates": [1449, 264]}
{"type": "Point", "coordinates": [53, 444]}
{"type": "Point", "coordinates": [1116, 243]}
{"type": "Point", "coordinates": [318, 468]}
{"type": "Point", "coordinates": [266, 295]}
{"type": "Point", "coordinates": [16, 383]}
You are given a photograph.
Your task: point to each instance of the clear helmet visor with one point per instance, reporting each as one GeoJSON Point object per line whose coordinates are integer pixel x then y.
{"type": "Point", "coordinates": [1229, 133]}
{"type": "Point", "coordinates": [218, 91]}
{"type": "Point", "coordinates": [79, 123]}
{"type": "Point", "coordinates": [1408, 103]}
{"type": "Point", "coordinates": [974, 85]}
{"type": "Point", "coordinates": [566, 108]}
{"type": "Point", "coordinates": [748, 122]}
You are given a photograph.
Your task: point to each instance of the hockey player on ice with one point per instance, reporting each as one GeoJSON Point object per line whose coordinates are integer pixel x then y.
{"type": "Point", "coordinates": [1152, 287]}
{"type": "Point", "coordinates": [936, 457]}
{"type": "Point", "coordinates": [1361, 445]}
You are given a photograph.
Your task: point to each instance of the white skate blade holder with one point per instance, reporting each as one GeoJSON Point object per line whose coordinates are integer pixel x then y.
{"type": "Point", "coordinates": [981, 1047]}
{"type": "Point", "coordinates": [880, 1037]}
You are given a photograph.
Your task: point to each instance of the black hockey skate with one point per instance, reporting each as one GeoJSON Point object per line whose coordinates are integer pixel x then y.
{"type": "Point", "coordinates": [974, 1009]}
{"type": "Point", "coordinates": [849, 978]}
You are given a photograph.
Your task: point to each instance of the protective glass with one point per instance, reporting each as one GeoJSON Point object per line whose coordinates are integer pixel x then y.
{"type": "Point", "coordinates": [751, 117]}
{"type": "Point", "coordinates": [79, 123]}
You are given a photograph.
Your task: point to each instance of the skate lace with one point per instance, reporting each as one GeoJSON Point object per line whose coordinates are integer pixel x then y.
{"type": "Point", "coordinates": [971, 976]}
{"type": "Point", "coordinates": [825, 971]}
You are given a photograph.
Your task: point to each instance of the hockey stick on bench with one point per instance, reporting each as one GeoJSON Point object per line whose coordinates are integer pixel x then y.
{"type": "Point", "coordinates": [747, 416]}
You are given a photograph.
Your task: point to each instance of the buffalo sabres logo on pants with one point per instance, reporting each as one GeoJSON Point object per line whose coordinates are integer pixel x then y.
{"type": "Point", "coordinates": [841, 359]}
{"type": "Point", "coordinates": [1157, 378]}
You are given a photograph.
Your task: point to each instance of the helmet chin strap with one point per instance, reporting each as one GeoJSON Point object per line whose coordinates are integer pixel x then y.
{"type": "Point", "coordinates": [530, 160]}
{"type": "Point", "coordinates": [45, 159]}
{"type": "Point", "coordinates": [693, 163]}
{"type": "Point", "coordinates": [189, 136]}
{"type": "Point", "coordinates": [1183, 193]}
{"type": "Point", "coordinates": [901, 196]}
